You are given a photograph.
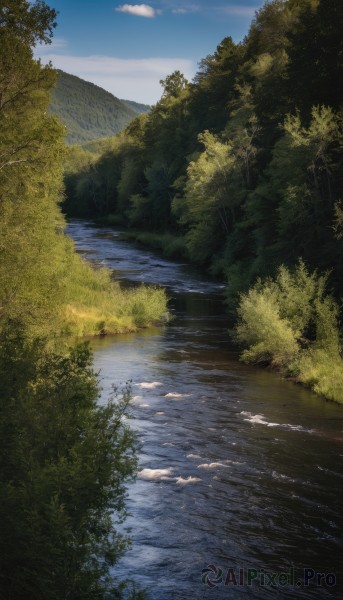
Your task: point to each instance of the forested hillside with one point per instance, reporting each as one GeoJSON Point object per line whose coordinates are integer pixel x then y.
{"type": "Point", "coordinates": [241, 171]}
{"type": "Point", "coordinates": [88, 111]}
{"type": "Point", "coordinates": [137, 107]}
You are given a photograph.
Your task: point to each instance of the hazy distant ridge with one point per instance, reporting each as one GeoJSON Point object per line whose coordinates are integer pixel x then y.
{"type": "Point", "coordinates": [136, 106]}
{"type": "Point", "coordinates": [88, 111]}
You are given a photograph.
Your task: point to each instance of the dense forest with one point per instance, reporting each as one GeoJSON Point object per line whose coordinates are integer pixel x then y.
{"type": "Point", "coordinates": [88, 111]}
{"type": "Point", "coordinates": [65, 459]}
{"type": "Point", "coordinates": [241, 172]}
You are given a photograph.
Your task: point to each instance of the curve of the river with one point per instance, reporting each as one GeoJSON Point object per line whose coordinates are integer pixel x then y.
{"type": "Point", "coordinates": [241, 472]}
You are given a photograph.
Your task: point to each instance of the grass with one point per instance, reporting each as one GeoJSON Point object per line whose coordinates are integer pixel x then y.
{"type": "Point", "coordinates": [96, 305]}
{"type": "Point", "coordinates": [323, 373]}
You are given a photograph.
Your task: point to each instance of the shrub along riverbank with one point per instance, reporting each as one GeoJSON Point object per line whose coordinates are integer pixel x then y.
{"type": "Point", "coordinates": [291, 323]}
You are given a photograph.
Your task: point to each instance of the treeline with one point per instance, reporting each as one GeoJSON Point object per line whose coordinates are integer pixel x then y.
{"type": "Point", "coordinates": [65, 460]}
{"type": "Point", "coordinates": [240, 170]}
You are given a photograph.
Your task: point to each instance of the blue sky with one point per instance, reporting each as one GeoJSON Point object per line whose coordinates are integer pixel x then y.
{"type": "Point", "coordinates": [126, 48]}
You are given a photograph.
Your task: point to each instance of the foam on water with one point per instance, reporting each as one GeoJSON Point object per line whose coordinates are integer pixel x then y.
{"type": "Point", "coordinates": [212, 465]}
{"type": "Point", "coordinates": [146, 385]}
{"type": "Point", "coordinates": [160, 474]}
{"type": "Point", "coordinates": [190, 479]}
{"type": "Point", "coordinates": [176, 395]}
{"type": "Point", "coordinates": [259, 419]}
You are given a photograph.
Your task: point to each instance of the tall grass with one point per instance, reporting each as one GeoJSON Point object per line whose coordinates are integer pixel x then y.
{"type": "Point", "coordinates": [96, 305]}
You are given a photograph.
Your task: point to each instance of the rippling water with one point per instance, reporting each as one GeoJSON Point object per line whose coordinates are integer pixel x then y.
{"type": "Point", "coordinates": [238, 468]}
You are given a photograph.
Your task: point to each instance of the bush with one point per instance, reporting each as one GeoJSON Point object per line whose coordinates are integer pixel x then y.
{"type": "Point", "coordinates": [64, 464]}
{"type": "Point", "coordinates": [269, 337]}
{"type": "Point", "coordinates": [291, 323]}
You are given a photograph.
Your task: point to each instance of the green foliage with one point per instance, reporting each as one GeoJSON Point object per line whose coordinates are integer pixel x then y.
{"type": "Point", "coordinates": [244, 164]}
{"type": "Point", "coordinates": [314, 73]}
{"type": "Point", "coordinates": [65, 458]}
{"type": "Point", "coordinates": [64, 463]}
{"type": "Point", "coordinates": [32, 249]}
{"type": "Point", "coordinates": [174, 84]}
{"type": "Point", "coordinates": [88, 111]}
{"type": "Point", "coordinates": [270, 337]}
{"type": "Point", "coordinates": [97, 305]}
{"type": "Point", "coordinates": [291, 323]}
{"type": "Point", "coordinates": [214, 87]}
{"type": "Point", "coordinates": [31, 22]}
{"type": "Point", "coordinates": [323, 373]}
{"type": "Point", "coordinates": [169, 244]}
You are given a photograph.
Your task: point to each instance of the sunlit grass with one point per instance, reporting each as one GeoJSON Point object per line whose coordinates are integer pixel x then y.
{"type": "Point", "coordinates": [96, 305]}
{"type": "Point", "coordinates": [323, 373]}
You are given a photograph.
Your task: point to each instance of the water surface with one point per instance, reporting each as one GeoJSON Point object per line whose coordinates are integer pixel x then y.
{"type": "Point", "coordinates": [239, 468]}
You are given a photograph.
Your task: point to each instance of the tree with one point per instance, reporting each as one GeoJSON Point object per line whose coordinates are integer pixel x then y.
{"type": "Point", "coordinates": [173, 84]}
{"type": "Point", "coordinates": [64, 459]}
{"type": "Point", "coordinates": [31, 22]}
{"type": "Point", "coordinates": [214, 86]}
{"type": "Point", "coordinates": [32, 249]}
{"type": "Point", "coordinates": [209, 209]}
{"type": "Point", "coordinates": [64, 463]}
{"type": "Point", "coordinates": [315, 67]}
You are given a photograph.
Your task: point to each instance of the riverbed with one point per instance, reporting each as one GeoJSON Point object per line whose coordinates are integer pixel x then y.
{"type": "Point", "coordinates": [240, 471]}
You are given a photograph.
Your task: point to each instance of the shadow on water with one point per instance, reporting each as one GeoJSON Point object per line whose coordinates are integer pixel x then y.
{"type": "Point", "coordinates": [238, 468]}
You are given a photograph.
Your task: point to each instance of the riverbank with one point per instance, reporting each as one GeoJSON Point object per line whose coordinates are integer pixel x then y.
{"type": "Point", "coordinates": [96, 304]}
{"type": "Point", "coordinates": [168, 243]}
{"type": "Point", "coordinates": [291, 322]}
{"type": "Point", "coordinates": [295, 331]}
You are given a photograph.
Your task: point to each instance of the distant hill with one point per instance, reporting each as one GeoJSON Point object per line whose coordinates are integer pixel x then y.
{"type": "Point", "coordinates": [88, 111]}
{"type": "Point", "coordinates": [136, 106]}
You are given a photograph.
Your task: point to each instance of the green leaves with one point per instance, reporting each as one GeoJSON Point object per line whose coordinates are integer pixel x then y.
{"type": "Point", "coordinates": [65, 459]}
{"type": "Point", "coordinates": [173, 84]}
{"type": "Point", "coordinates": [292, 323]}
{"type": "Point", "coordinates": [64, 465]}
{"type": "Point", "coordinates": [246, 164]}
{"type": "Point", "coordinates": [31, 22]}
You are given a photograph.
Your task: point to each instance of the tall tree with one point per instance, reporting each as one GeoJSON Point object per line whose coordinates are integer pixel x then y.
{"type": "Point", "coordinates": [64, 460]}
{"type": "Point", "coordinates": [315, 68]}
{"type": "Point", "coordinates": [32, 251]}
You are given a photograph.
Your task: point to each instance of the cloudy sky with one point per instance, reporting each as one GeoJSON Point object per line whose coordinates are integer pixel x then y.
{"type": "Point", "coordinates": [126, 48]}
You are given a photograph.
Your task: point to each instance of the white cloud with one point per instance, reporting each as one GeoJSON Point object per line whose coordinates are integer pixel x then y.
{"type": "Point", "coordinates": [139, 10]}
{"type": "Point", "coordinates": [239, 11]}
{"type": "Point", "coordinates": [134, 79]}
{"type": "Point", "coordinates": [190, 8]}
{"type": "Point", "coordinates": [56, 45]}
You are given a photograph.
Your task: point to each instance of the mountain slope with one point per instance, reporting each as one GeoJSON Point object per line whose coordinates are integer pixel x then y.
{"type": "Point", "coordinates": [137, 107]}
{"type": "Point", "coordinates": [88, 111]}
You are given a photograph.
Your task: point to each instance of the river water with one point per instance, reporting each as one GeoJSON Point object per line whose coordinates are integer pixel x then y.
{"type": "Point", "coordinates": [239, 469]}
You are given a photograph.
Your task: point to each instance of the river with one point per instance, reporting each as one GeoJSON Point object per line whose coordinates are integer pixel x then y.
{"type": "Point", "coordinates": [241, 472]}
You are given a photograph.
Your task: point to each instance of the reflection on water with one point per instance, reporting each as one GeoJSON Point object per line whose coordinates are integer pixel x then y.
{"type": "Point", "coordinates": [238, 468]}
